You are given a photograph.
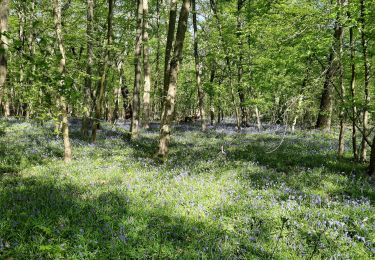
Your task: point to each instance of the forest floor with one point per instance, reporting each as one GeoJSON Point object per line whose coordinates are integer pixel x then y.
{"type": "Point", "coordinates": [220, 195]}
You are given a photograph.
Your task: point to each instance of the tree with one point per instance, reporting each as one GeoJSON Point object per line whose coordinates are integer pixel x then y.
{"type": "Point", "coordinates": [90, 62]}
{"type": "Point", "coordinates": [146, 68]}
{"type": "Point", "coordinates": [134, 127]}
{"type": "Point", "coordinates": [62, 67]}
{"type": "Point", "coordinates": [101, 88]}
{"type": "Point", "coordinates": [333, 66]}
{"type": "Point", "coordinates": [169, 102]}
{"type": "Point", "coordinates": [353, 93]}
{"type": "Point", "coordinates": [4, 9]}
{"type": "Point", "coordinates": [340, 72]}
{"type": "Point", "coordinates": [228, 63]}
{"type": "Point", "coordinates": [198, 68]}
{"type": "Point", "coordinates": [367, 79]}
{"type": "Point", "coordinates": [241, 92]}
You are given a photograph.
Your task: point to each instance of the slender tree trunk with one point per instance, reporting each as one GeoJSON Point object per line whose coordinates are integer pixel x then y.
{"type": "Point", "coordinates": [367, 79]}
{"type": "Point", "coordinates": [90, 62]}
{"type": "Point", "coordinates": [168, 48]}
{"type": "Point", "coordinates": [157, 70]}
{"type": "Point", "coordinates": [340, 69]}
{"type": "Point", "coordinates": [21, 35]}
{"type": "Point", "coordinates": [146, 68]}
{"type": "Point", "coordinates": [4, 9]}
{"type": "Point", "coordinates": [258, 117]}
{"type": "Point", "coordinates": [326, 102]}
{"type": "Point", "coordinates": [228, 63]}
{"type": "Point", "coordinates": [212, 95]}
{"type": "Point", "coordinates": [124, 92]}
{"type": "Point", "coordinates": [169, 104]}
{"type": "Point", "coordinates": [299, 104]}
{"type": "Point", "coordinates": [240, 89]}
{"type": "Point", "coordinates": [198, 69]}
{"type": "Point", "coordinates": [63, 105]}
{"type": "Point", "coordinates": [371, 168]}
{"type": "Point", "coordinates": [134, 127]}
{"type": "Point", "coordinates": [117, 91]}
{"type": "Point", "coordinates": [100, 93]}
{"type": "Point", "coordinates": [325, 111]}
{"type": "Point", "coordinates": [300, 98]}
{"type": "Point", "coordinates": [353, 93]}
{"type": "Point", "coordinates": [236, 110]}
{"type": "Point", "coordinates": [31, 46]}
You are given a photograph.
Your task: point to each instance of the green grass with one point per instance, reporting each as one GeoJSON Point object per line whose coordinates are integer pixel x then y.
{"type": "Point", "coordinates": [116, 201]}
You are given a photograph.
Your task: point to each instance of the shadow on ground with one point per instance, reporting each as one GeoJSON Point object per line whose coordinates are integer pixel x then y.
{"type": "Point", "coordinates": [52, 218]}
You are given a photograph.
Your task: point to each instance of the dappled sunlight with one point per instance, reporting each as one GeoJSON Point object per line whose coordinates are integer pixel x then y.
{"type": "Point", "coordinates": [120, 202]}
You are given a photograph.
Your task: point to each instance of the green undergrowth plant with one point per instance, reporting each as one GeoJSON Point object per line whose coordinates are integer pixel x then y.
{"type": "Point", "coordinates": [218, 195]}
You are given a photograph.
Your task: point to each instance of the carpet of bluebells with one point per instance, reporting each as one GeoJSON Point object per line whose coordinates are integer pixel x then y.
{"type": "Point", "coordinates": [220, 195]}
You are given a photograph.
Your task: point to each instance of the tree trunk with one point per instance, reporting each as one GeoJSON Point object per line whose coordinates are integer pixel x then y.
{"type": "Point", "coordinates": [101, 90]}
{"type": "Point", "coordinates": [124, 92]}
{"type": "Point", "coordinates": [212, 95]}
{"type": "Point", "coordinates": [353, 93]}
{"type": "Point", "coordinates": [4, 9]}
{"type": "Point", "coordinates": [326, 102]}
{"type": "Point", "coordinates": [241, 92]}
{"type": "Point", "coordinates": [198, 69]}
{"type": "Point", "coordinates": [63, 105]}
{"type": "Point", "coordinates": [65, 131]}
{"type": "Point", "coordinates": [146, 68]}
{"type": "Point", "coordinates": [340, 69]}
{"type": "Point", "coordinates": [299, 104]}
{"type": "Point", "coordinates": [134, 127]}
{"type": "Point", "coordinates": [257, 115]}
{"type": "Point", "coordinates": [168, 48]}
{"type": "Point", "coordinates": [325, 110]}
{"type": "Point", "coordinates": [31, 46]}
{"type": "Point", "coordinates": [367, 79]}
{"type": "Point", "coordinates": [117, 92]}
{"type": "Point", "coordinates": [236, 111]}
{"type": "Point", "coordinates": [21, 35]}
{"type": "Point", "coordinates": [169, 104]}
{"type": "Point", "coordinates": [90, 61]}
{"type": "Point", "coordinates": [157, 61]}
{"type": "Point", "coordinates": [371, 168]}
{"type": "Point", "coordinates": [228, 65]}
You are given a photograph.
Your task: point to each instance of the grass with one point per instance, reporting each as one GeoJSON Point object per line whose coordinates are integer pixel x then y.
{"type": "Point", "coordinates": [116, 201]}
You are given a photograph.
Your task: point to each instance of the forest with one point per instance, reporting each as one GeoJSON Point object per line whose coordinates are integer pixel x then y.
{"type": "Point", "coordinates": [187, 129]}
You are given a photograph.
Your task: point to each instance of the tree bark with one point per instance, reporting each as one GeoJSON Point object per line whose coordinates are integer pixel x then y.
{"type": "Point", "coordinates": [21, 36]}
{"type": "Point", "coordinates": [353, 93]}
{"type": "Point", "coordinates": [63, 105]}
{"type": "Point", "coordinates": [117, 91]}
{"type": "Point", "coordinates": [134, 127]}
{"type": "Point", "coordinates": [157, 69]}
{"type": "Point", "coordinates": [371, 168]}
{"type": "Point", "coordinates": [325, 110]}
{"type": "Point", "coordinates": [101, 90]}
{"type": "Point", "coordinates": [241, 92]}
{"type": "Point", "coordinates": [146, 68]}
{"type": "Point", "coordinates": [169, 104]}
{"type": "Point", "coordinates": [259, 121]}
{"type": "Point", "coordinates": [198, 69]}
{"type": "Point", "coordinates": [366, 63]}
{"type": "Point", "coordinates": [228, 65]}
{"type": "Point", "coordinates": [326, 102]}
{"type": "Point", "coordinates": [90, 62]}
{"type": "Point", "coordinates": [124, 92]}
{"type": "Point", "coordinates": [212, 107]}
{"type": "Point", "coordinates": [168, 48]}
{"type": "Point", "coordinates": [340, 69]}
{"type": "Point", "coordinates": [4, 9]}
